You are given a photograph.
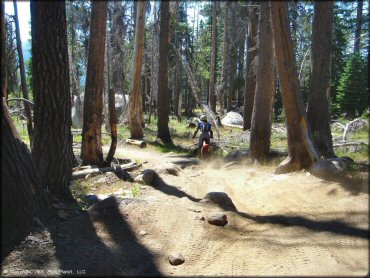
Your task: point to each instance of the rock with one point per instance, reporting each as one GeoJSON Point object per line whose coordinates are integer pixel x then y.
{"type": "Point", "coordinates": [237, 155]}
{"type": "Point", "coordinates": [143, 233]}
{"type": "Point", "coordinates": [220, 199]}
{"type": "Point", "coordinates": [176, 258]}
{"type": "Point", "coordinates": [169, 168]}
{"type": "Point", "coordinates": [147, 177]}
{"type": "Point", "coordinates": [199, 217]}
{"type": "Point", "coordinates": [232, 118]}
{"type": "Point", "coordinates": [332, 167]}
{"type": "Point", "coordinates": [217, 218]}
{"type": "Point", "coordinates": [194, 209]}
{"type": "Point", "coordinates": [101, 180]}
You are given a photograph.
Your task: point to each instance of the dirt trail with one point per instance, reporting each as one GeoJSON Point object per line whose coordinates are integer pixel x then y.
{"type": "Point", "coordinates": [291, 224]}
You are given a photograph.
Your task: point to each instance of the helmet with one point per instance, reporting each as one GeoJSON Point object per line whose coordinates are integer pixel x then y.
{"type": "Point", "coordinates": [203, 118]}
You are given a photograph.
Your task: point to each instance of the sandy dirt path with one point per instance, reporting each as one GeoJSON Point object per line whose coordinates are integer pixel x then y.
{"type": "Point", "coordinates": [292, 224]}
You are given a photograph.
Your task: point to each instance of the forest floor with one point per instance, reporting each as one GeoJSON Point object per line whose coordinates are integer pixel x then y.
{"type": "Point", "coordinates": [291, 224]}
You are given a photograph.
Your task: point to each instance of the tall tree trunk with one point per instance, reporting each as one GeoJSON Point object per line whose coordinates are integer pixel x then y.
{"type": "Point", "coordinates": [241, 68]}
{"type": "Point", "coordinates": [212, 81]}
{"type": "Point", "coordinates": [91, 150]}
{"type": "Point", "coordinates": [23, 201]}
{"type": "Point", "coordinates": [27, 106]}
{"type": "Point", "coordinates": [225, 60]}
{"type": "Point", "coordinates": [250, 75]}
{"type": "Point", "coordinates": [154, 69]}
{"type": "Point", "coordinates": [178, 68]}
{"type": "Point", "coordinates": [4, 81]}
{"type": "Point", "coordinates": [135, 121]}
{"type": "Point", "coordinates": [302, 150]}
{"type": "Point", "coordinates": [357, 45]}
{"type": "Point", "coordinates": [318, 113]}
{"type": "Point", "coordinates": [52, 146]}
{"type": "Point", "coordinates": [264, 95]}
{"type": "Point", "coordinates": [163, 101]}
{"type": "Point", "coordinates": [113, 126]}
{"type": "Point", "coordinates": [231, 93]}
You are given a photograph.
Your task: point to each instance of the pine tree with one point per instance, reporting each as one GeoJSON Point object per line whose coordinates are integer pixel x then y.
{"type": "Point", "coordinates": [352, 98]}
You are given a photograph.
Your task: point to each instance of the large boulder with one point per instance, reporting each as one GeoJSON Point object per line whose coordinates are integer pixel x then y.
{"type": "Point", "coordinates": [232, 118]}
{"type": "Point", "coordinates": [331, 168]}
{"type": "Point", "coordinates": [221, 199]}
{"type": "Point", "coordinates": [168, 168]}
{"type": "Point", "coordinates": [237, 155]}
{"type": "Point", "coordinates": [147, 177]}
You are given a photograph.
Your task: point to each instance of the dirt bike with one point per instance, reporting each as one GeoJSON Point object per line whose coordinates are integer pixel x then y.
{"type": "Point", "coordinates": [205, 151]}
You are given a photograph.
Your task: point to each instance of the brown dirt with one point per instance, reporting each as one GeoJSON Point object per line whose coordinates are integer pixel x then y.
{"type": "Point", "coordinates": [292, 224]}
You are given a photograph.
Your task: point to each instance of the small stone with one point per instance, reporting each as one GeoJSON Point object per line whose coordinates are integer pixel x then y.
{"type": "Point", "coordinates": [169, 168]}
{"type": "Point", "coordinates": [143, 233]}
{"type": "Point", "coordinates": [102, 180]}
{"type": "Point", "coordinates": [194, 209]}
{"type": "Point", "coordinates": [145, 161]}
{"type": "Point", "coordinates": [199, 217]}
{"type": "Point", "coordinates": [217, 218]}
{"type": "Point", "coordinates": [176, 258]}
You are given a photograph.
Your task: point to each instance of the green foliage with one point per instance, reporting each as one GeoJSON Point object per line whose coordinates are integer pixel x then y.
{"type": "Point", "coordinates": [352, 97]}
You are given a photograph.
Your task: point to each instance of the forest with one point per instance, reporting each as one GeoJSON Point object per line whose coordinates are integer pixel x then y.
{"type": "Point", "coordinates": [173, 138]}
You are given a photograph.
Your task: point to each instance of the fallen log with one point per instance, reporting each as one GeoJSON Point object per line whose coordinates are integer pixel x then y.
{"type": "Point", "coordinates": [95, 169]}
{"type": "Point", "coordinates": [141, 144]}
{"type": "Point", "coordinates": [346, 144]}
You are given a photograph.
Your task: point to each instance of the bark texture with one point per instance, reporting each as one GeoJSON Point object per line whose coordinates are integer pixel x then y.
{"type": "Point", "coordinates": [250, 78]}
{"type": "Point", "coordinates": [225, 60]}
{"type": "Point", "coordinates": [52, 146]}
{"type": "Point", "coordinates": [212, 81]}
{"type": "Point", "coordinates": [27, 106]}
{"type": "Point", "coordinates": [163, 100]}
{"type": "Point", "coordinates": [264, 95]}
{"type": "Point", "coordinates": [113, 126]}
{"type": "Point", "coordinates": [22, 198]}
{"type": "Point", "coordinates": [4, 82]}
{"type": "Point", "coordinates": [135, 120]}
{"type": "Point", "coordinates": [91, 150]}
{"type": "Point", "coordinates": [318, 113]}
{"type": "Point", "coordinates": [302, 150]}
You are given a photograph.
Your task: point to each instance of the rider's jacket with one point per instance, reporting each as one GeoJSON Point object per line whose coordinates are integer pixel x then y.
{"type": "Point", "coordinates": [204, 127]}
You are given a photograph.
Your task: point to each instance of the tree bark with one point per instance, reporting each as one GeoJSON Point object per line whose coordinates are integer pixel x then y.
{"type": "Point", "coordinates": [250, 78]}
{"type": "Point", "coordinates": [22, 198]}
{"type": "Point", "coordinates": [318, 113]}
{"type": "Point", "coordinates": [4, 83]}
{"type": "Point", "coordinates": [225, 60]}
{"type": "Point", "coordinates": [302, 150]}
{"type": "Point", "coordinates": [357, 45]}
{"type": "Point", "coordinates": [91, 150]}
{"type": "Point", "coordinates": [241, 49]}
{"type": "Point", "coordinates": [212, 81]}
{"type": "Point", "coordinates": [113, 126]}
{"type": "Point", "coordinates": [52, 146]}
{"type": "Point", "coordinates": [135, 121]}
{"type": "Point", "coordinates": [27, 106]}
{"type": "Point", "coordinates": [163, 101]}
{"type": "Point", "coordinates": [264, 95]}
{"type": "Point", "coordinates": [154, 65]}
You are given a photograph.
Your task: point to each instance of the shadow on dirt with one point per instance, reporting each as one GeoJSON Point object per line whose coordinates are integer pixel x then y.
{"type": "Point", "coordinates": [333, 226]}
{"type": "Point", "coordinates": [354, 185]}
{"type": "Point", "coordinates": [161, 185]}
{"type": "Point", "coordinates": [78, 246]}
